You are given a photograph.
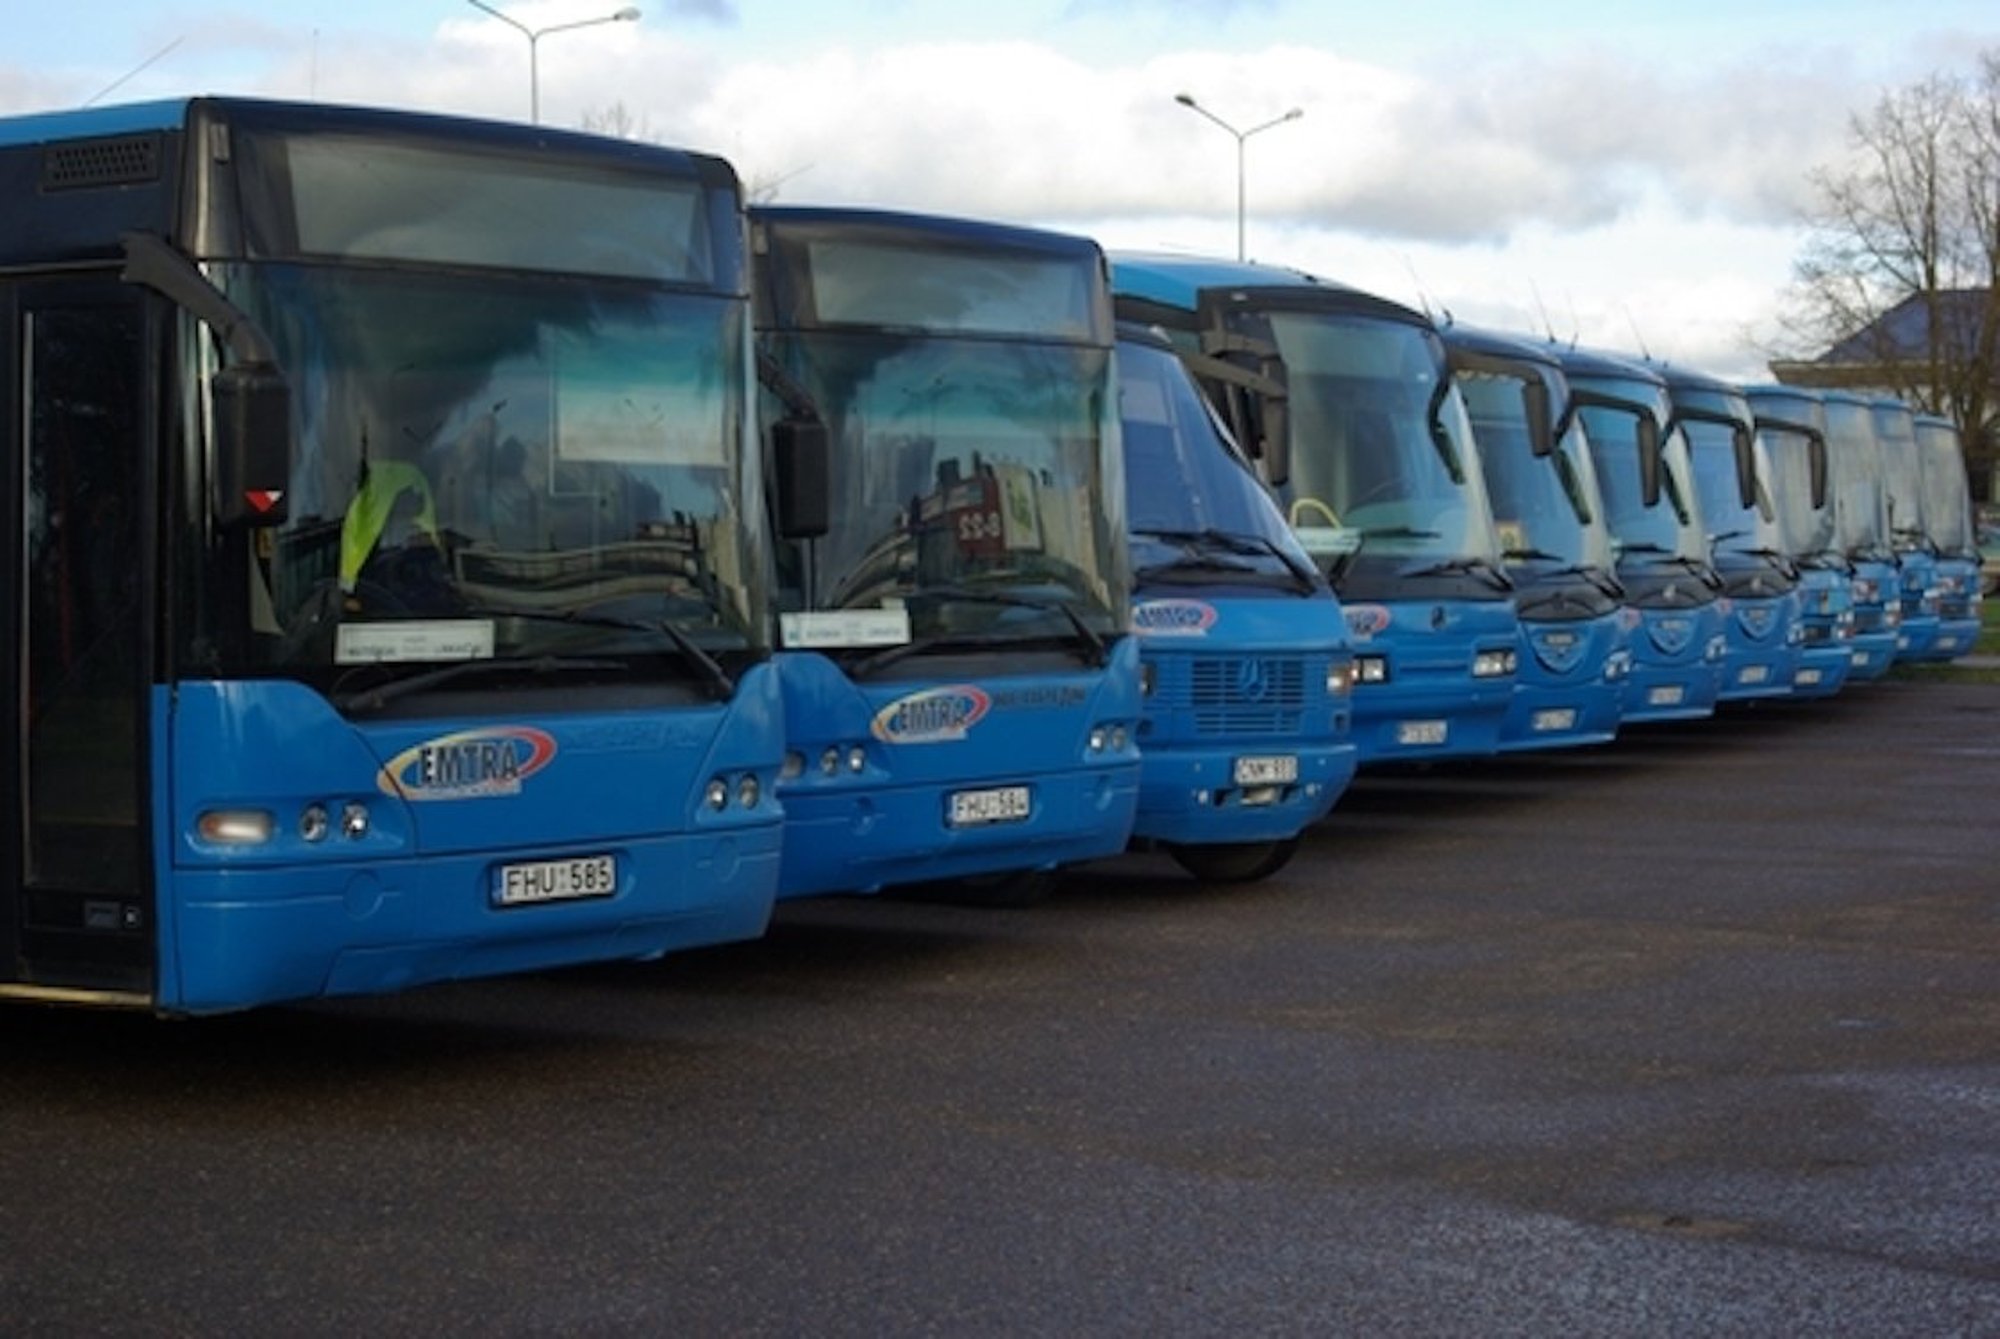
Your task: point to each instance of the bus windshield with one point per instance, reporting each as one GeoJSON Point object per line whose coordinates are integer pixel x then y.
{"type": "Point", "coordinates": [1671, 529]}
{"type": "Point", "coordinates": [1193, 503]}
{"type": "Point", "coordinates": [1902, 475]}
{"type": "Point", "coordinates": [1544, 507]}
{"type": "Point", "coordinates": [1947, 500]}
{"type": "Point", "coordinates": [969, 412]}
{"type": "Point", "coordinates": [1733, 527]}
{"type": "Point", "coordinates": [1804, 531]}
{"type": "Point", "coordinates": [503, 466]}
{"type": "Point", "coordinates": [1382, 450]}
{"type": "Point", "coordinates": [1860, 504]}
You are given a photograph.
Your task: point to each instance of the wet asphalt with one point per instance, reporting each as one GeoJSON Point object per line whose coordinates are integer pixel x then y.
{"type": "Point", "coordinates": [1694, 1034]}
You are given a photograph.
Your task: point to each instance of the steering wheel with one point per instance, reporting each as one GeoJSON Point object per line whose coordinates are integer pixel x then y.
{"type": "Point", "coordinates": [1304, 505]}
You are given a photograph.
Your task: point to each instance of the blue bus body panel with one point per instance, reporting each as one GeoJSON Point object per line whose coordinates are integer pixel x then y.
{"type": "Point", "coordinates": [1959, 604]}
{"type": "Point", "coordinates": [1826, 611]}
{"type": "Point", "coordinates": [94, 122]}
{"type": "Point", "coordinates": [1238, 677]}
{"type": "Point", "coordinates": [1765, 639]}
{"type": "Point", "coordinates": [1876, 621]}
{"type": "Point", "coordinates": [926, 739]}
{"type": "Point", "coordinates": [1569, 688]}
{"type": "Point", "coordinates": [449, 802]}
{"type": "Point", "coordinates": [1919, 628]}
{"type": "Point", "coordinates": [1431, 706]}
{"type": "Point", "coordinates": [1676, 663]}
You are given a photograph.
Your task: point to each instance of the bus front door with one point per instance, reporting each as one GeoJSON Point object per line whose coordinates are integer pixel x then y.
{"type": "Point", "coordinates": [79, 914]}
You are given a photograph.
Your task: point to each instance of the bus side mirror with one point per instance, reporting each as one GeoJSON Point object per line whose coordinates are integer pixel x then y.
{"type": "Point", "coordinates": [801, 477]}
{"type": "Point", "coordinates": [252, 403]}
{"type": "Point", "coordinates": [1816, 469]}
{"type": "Point", "coordinates": [1540, 414]}
{"type": "Point", "coordinates": [1649, 459]}
{"type": "Point", "coordinates": [1746, 464]}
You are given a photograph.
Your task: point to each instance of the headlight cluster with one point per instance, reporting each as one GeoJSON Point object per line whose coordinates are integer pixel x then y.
{"type": "Point", "coordinates": [1494, 664]}
{"type": "Point", "coordinates": [256, 827]}
{"type": "Point", "coordinates": [1371, 669]}
{"type": "Point", "coordinates": [1339, 678]}
{"type": "Point", "coordinates": [1865, 590]}
{"type": "Point", "coordinates": [1108, 737]}
{"type": "Point", "coordinates": [833, 760]}
{"type": "Point", "coordinates": [746, 790]}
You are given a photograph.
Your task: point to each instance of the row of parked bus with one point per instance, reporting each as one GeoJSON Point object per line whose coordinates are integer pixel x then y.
{"type": "Point", "coordinates": [443, 548]}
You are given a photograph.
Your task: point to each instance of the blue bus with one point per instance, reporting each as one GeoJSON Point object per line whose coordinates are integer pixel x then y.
{"type": "Point", "coordinates": [1247, 670]}
{"type": "Point", "coordinates": [1948, 522]}
{"type": "Point", "coordinates": [1548, 513]}
{"type": "Point", "coordinates": [1760, 582]}
{"type": "Point", "coordinates": [961, 690]}
{"type": "Point", "coordinates": [1791, 424]}
{"type": "Point", "coordinates": [1353, 419]}
{"type": "Point", "coordinates": [383, 604]}
{"type": "Point", "coordinates": [1861, 529]}
{"type": "Point", "coordinates": [1916, 555]}
{"type": "Point", "coordinates": [1675, 610]}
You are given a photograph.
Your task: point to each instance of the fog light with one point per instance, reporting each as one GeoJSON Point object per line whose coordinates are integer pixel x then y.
{"type": "Point", "coordinates": [314, 823]}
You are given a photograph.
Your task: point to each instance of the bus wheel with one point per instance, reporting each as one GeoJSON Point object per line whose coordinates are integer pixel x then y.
{"type": "Point", "coordinates": [1234, 862]}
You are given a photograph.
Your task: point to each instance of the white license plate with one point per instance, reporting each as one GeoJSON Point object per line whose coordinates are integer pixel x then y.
{"type": "Point", "coordinates": [1669, 695]}
{"type": "Point", "coordinates": [1001, 804]}
{"type": "Point", "coordinates": [1278, 770]}
{"type": "Point", "coordinates": [1555, 718]}
{"type": "Point", "coordinates": [555, 880]}
{"type": "Point", "coordinates": [1411, 733]}
{"type": "Point", "coordinates": [1860, 658]}
{"type": "Point", "coordinates": [1754, 674]}
{"type": "Point", "coordinates": [1807, 677]}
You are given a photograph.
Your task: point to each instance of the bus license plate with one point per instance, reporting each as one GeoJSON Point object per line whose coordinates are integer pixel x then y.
{"type": "Point", "coordinates": [1555, 718]}
{"type": "Point", "coordinates": [977, 808]}
{"type": "Point", "coordinates": [1754, 674]}
{"type": "Point", "coordinates": [1807, 677]}
{"type": "Point", "coordinates": [537, 881]}
{"type": "Point", "coordinates": [1277, 770]}
{"type": "Point", "coordinates": [1669, 695]}
{"type": "Point", "coordinates": [1411, 733]}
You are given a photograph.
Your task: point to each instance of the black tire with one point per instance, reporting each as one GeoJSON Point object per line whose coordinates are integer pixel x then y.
{"type": "Point", "coordinates": [1234, 862]}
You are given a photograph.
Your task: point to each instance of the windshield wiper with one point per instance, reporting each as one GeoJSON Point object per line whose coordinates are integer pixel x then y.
{"type": "Point", "coordinates": [381, 695]}
{"type": "Point", "coordinates": [1250, 545]}
{"type": "Point", "coordinates": [1483, 568]}
{"type": "Point", "coordinates": [719, 681]}
{"type": "Point", "coordinates": [1530, 556]}
{"type": "Point", "coordinates": [1097, 653]}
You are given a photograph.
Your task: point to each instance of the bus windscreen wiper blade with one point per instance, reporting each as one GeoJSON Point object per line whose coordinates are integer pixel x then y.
{"type": "Point", "coordinates": [1483, 568]}
{"type": "Point", "coordinates": [719, 681]}
{"type": "Point", "coordinates": [381, 695]}
{"type": "Point", "coordinates": [1530, 556]}
{"type": "Point", "coordinates": [1232, 542]}
{"type": "Point", "coordinates": [1098, 653]}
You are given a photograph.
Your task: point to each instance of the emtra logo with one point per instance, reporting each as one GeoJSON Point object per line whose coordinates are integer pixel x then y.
{"type": "Point", "coordinates": [934, 716]}
{"type": "Point", "coordinates": [1173, 618]}
{"type": "Point", "coordinates": [470, 765]}
{"type": "Point", "coordinates": [1365, 620]}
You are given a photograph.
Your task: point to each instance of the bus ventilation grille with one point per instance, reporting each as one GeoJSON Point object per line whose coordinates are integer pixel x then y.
{"type": "Point", "coordinates": [126, 161]}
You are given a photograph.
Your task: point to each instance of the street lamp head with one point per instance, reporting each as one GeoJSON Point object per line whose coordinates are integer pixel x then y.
{"type": "Point", "coordinates": [1292, 115]}
{"type": "Point", "coordinates": [629, 14]}
{"type": "Point", "coordinates": [1184, 99]}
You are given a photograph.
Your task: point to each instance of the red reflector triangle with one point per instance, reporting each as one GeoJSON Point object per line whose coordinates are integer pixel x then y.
{"type": "Point", "coordinates": [264, 499]}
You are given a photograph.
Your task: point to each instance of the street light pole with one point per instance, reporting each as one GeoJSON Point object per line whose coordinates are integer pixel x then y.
{"type": "Point", "coordinates": [1187, 100]}
{"type": "Point", "coordinates": [534, 35]}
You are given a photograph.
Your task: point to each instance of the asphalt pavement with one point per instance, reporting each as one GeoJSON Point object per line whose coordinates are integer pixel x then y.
{"type": "Point", "coordinates": [1694, 1034]}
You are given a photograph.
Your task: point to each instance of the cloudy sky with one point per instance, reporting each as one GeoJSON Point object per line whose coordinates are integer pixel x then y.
{"type": "Point", "coordinates": [1630, 174]}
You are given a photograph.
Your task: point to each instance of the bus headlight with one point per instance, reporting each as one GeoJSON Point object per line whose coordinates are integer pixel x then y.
{"type": "Point", "coordinates": [1340, 678]}
{"type": "Point", "coordinates": [749, 791]}
{"type": "Point", "coordinates": [314, 823]}
{"type": "Point", "coordinates": [1493, 664]}
{"type": "Point", "coordinates": [793, 767]}
{"type": "Point", "coordinates": [717, 794]}
{"type": "Point", "coordinates": [829, 761]}
{"type": "Point", "coordinates": [1096, 740]}
{"type": "Point", "coordinates": [354, 820]}
{"type": "Point", "coordinates": [234, 827]}
{"type": "Point", "coordinates": [1371, 669]}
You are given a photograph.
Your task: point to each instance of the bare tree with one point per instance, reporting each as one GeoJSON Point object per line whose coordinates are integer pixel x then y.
{"type": "Point", "coordinates": [1900, 276]}
{"type": "Point", "coordinates": [618, 122]}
